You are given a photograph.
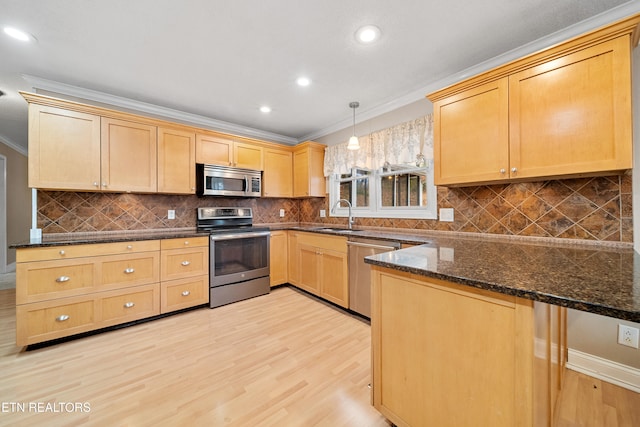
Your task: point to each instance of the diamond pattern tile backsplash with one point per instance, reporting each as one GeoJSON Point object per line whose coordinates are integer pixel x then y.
{"type": "Point", "coordinates": [585, 208]}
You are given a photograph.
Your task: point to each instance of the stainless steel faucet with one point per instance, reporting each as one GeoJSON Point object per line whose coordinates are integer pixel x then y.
{"type": "Point", "coordinates": [351, 218]}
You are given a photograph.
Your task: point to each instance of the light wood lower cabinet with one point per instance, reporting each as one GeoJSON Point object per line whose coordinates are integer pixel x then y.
{"type": "Point", "coordinates": [447, 354]}
{"type": "Point", "coordinates": [184, 273]}
{"type": "Point", "coordinates": [66, 290]}
{"type": "Point", "coordinates": [278, 258]}
{"type": "Point", "coordinates": [323, 267]}
{"type": "Point", "coordinates": [292, 250]}
{"type": "Point", "coordinates": [184, 293]}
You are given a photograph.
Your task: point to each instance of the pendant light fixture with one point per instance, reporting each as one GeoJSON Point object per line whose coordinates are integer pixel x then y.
{"type": "Point", "coordinates": [354, 144]}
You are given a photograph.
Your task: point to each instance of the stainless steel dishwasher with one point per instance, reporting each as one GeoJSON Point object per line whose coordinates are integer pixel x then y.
{"type": "Point", "coordinates": [360, 273]}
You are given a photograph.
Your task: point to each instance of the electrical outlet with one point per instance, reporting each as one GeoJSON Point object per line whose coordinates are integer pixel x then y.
{"type": "Point", "coordinates": [281, 213]}
{"type": "Point", "coordinates": [628, 336]}
{"type": "Point", "coordinates": [323, 213]}
{"type": "Point", "coordinates": [446, 214]}
{"type": "Point", "coordinates": [171, 214]}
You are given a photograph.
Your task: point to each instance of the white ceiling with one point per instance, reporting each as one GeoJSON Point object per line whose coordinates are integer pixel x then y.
{"type": "Point", "coordinates": [222, 59]}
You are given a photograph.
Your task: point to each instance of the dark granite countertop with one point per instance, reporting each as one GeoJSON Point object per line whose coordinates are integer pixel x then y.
{"type": "Point", "coordinates": [598, 279]}
{"type": "Point", "coordinates": [106, 237]}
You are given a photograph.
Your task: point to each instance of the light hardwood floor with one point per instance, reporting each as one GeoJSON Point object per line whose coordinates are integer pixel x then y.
{"type": "Point", "coordinates": [588, 402]}
{"type": "Point", "coordinates": [281, 359]}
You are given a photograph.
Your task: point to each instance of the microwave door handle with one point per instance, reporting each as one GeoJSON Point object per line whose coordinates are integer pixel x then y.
{"type": "Point", "coordinates": [246, 184]}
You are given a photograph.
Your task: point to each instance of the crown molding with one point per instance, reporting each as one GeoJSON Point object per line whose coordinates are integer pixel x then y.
{"type": "Point", "coordinates": [597, 21]}
{"type": "Point", "coordinates": [64, 89]}
{"type": "Point", "coordinates": [13, 145]}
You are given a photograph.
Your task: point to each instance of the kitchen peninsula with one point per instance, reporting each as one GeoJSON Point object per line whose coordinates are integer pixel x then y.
{"type": "Point", "coordinates": [459, 316]}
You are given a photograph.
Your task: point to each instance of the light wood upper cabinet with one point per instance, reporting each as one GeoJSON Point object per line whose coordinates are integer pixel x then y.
{"type": "Point", "coordinates": [176, 161]}
{"type": "Point", "coordinates": [308, 170]}
{"type": "Point", "coordinates": [129, 159]}
{"type": "Point", "coordinates": [247, 156]}
{"type": "Point", "coordinates": [473, 130]}
{"type": "Point", "coordinates": [222, 150]}
{"type": "Point", "coordinates": [214, 150]}
{"type": "Point", "coordinates": [81, 147]}
{"type": "Point", "coordinates": [64, 149]}
{"type": "Point", "coordinates": [277, 179]}
{"type": "Point", "coordinates": [562, 112]}
{"type": "Point", "coordinates": [573, 115]}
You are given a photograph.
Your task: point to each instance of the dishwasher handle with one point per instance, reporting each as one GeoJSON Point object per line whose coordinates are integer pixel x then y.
{"type": "Point", "coordinates": [369, 245]}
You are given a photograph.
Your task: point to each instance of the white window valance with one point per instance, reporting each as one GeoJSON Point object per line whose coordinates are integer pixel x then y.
{"type": "Point", "coordinates": [402, 144]}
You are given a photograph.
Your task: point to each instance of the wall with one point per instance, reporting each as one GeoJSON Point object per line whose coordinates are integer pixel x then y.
{"type": "Point", "coordinates": [18, 198]}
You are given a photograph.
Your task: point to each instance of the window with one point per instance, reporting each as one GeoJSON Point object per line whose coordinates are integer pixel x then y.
{"type": "Point", "coordinates": [392, 192]}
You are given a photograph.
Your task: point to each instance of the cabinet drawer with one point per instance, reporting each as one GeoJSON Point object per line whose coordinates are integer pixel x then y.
{"type": "Point", "coordinates": [184, 243]}
{"type": "Point", "coordinates": [180, 263]}
{"type": "Point", "coordinates": [179, 294]}
{"type": "Point", "coordinates": [129, 270]}
{"type": "Point", "coordinates": [39, 281]}
{"type": "Point", "coordinates": [80, 251]}
{"type": "Point", "coordinates": [55, 319]}
{"type": "Point", "coordinates": [130, 304]}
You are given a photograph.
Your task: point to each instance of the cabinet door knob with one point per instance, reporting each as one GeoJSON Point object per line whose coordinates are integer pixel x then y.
{"type": "Point", "coordinates": [129, 304]}
{"type": "Point", "coordinates": [186, 242]}
{"type": "Point", "coordinates": [129, 270]}
{"type": "Point", "coordinates": [62, 279]}
{"type": "Point", "coordinates": [62, 252]}
{"type": "Point", "coordinates": [185, 263]}
{"type": "Point", "coordinates": [186, 293]}
{"type": "Point", "coordinates": [514, 170]}
{"type": "Point", "coordinates": [95, 184]}
{"type": "Point", "coordinates": [62, 318]}
{"type": "Point", "coordinates": [503, 171]}
{"type": "Point", "coordinates": [104, 184]}
{"type": "Point", "coordinates": [129, 247]}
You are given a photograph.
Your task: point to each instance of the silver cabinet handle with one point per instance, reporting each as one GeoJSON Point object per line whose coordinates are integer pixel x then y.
{"type": "Point", "coordinates": [186, 242]}
{"type": "Point", "coordinates": [185, 263]}
{"type": "Point", "coordinates": [62, 279]}
{"type": "Point", "coordinates": [129, 304]}
{"type": "Point", "coordinates": [95, 184]}
{"type": "Point", "coordinates": [503, 171]}
{"type": "Point", "coordinates": [104, 184]}
{"type": "Point", "coordinates": [62, 318]}
{"type": "Point", "coordinates": [129, 270]}
{"type": "Point", "coordinates": [129, 247]}
{"type": "Point", "coordinates": [514, 170]}
{"type": "Point", "coordinates": [186, 293]}
{"type": "Point", "coordinates": [61, 252]}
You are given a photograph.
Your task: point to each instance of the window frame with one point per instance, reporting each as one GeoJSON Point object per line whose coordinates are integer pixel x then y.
{"type": "Point", "coordinates": [375, 208]}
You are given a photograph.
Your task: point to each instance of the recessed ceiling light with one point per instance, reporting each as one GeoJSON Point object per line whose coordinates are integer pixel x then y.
{"type": "Point", "coordinates": [303, 81]}
{"type": "Point", "coordinates": [368, 34]}
{"type": "Point", "coordinates": [18, 34]}
{"type": "Point", "coordinates": [265, 109]}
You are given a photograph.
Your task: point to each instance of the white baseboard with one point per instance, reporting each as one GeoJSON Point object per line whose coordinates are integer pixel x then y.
{"type": "Point", "coordinates": [605, 370]}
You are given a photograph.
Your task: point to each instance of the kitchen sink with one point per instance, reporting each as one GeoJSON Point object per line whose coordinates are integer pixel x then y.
{"type": "Point", "coordinates": [335, 230]}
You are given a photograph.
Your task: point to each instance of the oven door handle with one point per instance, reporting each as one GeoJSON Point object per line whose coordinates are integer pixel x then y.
{"type": "Point", "coordinates": [230, 236]}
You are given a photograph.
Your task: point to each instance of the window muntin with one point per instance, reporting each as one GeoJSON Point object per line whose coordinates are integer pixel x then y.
{"type": "Point", "coordinates": [393, 192]}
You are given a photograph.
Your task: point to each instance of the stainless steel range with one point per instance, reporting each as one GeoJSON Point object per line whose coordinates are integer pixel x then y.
{"type": "Point", "coordinates": [238, 254]}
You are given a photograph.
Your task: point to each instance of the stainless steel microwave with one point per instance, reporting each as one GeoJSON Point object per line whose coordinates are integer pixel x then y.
{"type": "Point", "coordinates": [225, 181]}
